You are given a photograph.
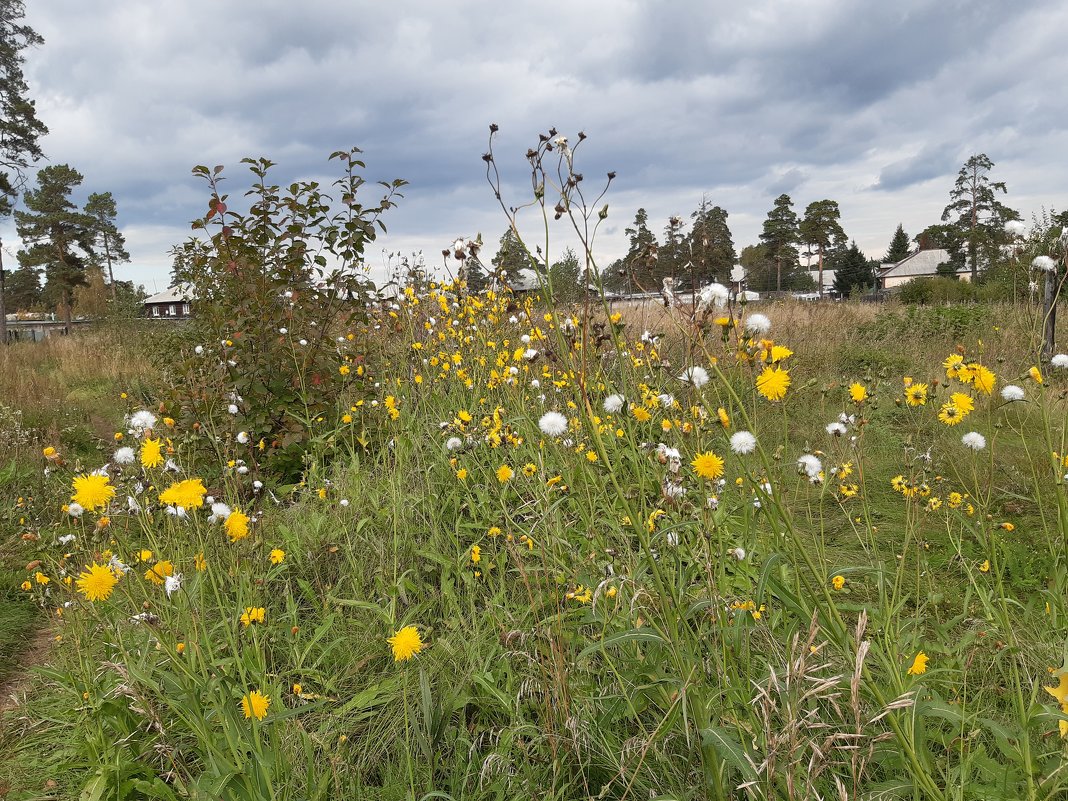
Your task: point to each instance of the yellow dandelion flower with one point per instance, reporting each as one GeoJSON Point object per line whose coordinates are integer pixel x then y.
{"type": "Point", "coordinates": [92, 491]}
{"type": "Point", "coordinates": [159, 571]}
{"type": "Point", "coordinates": [641, 414]}
{"type": "Point", "coordinates": [476, 554]}
{"type": "Point", "coordinates": [236, 525]}
{"type": "Point", "coordinates": [950, 414]}
{"type": "Point", "coordinates": [277, 556]}
{"type": "Point", "coordinates": [963, 402]}
{"type": "Point", "coordinates": [1036, 375]}
{"type": "Point", "coordinates": [504, 473]}
{"type": "Point", "coordinates": [188, 494]}
{"type": "Point", "coordinates": [199, 563]}
{"type": "Point", "coordinates": [919, 664]}
{"type": "Point", "coordinates": [858, 392]}
{"type": "Point", "coordinates": [405, 643]}
{"type": "Point", "coordinates": [96, 582]}
{"type": "Point", "coordinates": [916, 395]}
{"type": "Point", "coordinates": [773, 382]}
{"type": "Point", "coordinates": [152, 452]}
{"type": "Point", "coordinates": [708, 465]}
{"type": "Point", "coordinates": [983, 379]}
{"type": "Point", "coordinates": [255, 705]}
{"type": "Point", "coordinates": [838, 582]}
{"type": "Point", "coordinates": [724, 418]}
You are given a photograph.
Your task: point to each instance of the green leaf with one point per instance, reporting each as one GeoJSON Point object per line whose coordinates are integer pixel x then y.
{"type": "Point", "coordinates": [623, 638]}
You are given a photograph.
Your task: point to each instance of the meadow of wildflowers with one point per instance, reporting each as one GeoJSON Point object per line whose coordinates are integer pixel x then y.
{"type": "Point", "coordinates": [571, 551]}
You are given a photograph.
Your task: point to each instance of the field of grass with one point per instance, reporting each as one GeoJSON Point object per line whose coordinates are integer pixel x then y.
{"type": "Point", "coordinates": [467, 596]}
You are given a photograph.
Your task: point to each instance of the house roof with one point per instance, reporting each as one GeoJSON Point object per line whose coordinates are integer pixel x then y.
{"type": "Point", "coordinates": [174, 294]}
{"type": "Point", "coordinates": [920, 263]}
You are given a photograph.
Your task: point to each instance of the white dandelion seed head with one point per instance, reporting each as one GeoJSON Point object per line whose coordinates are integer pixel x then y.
{"type": "Point", "coordinates": [810, 465]}
{"type": "Point", "coordinates": [525, 339]}
{"type": "Point", "coordinates": [743, 442]}
{"type": "Point", "coordinates": [836, 429]}
{"type": "Point", "coordinates": [712, 295]}
{"type": "Point", "coordinates": [613, 403]}
{"type": "Point", "coordinates": [535, 383]}
{"type": "Point", "coordinates": [133, 506]}
{"type": "Point", "coordinates": [712, 502]}
{"type": "Point", "coordinates": [757, 324]}
{"type": "Point", "coordinates": [344, 502]}
{"type": "Point", "coordinates": [199, 350]}
{"type": "Point", "coordinates": [453, 443]}
{"type": "Point", "coordinates": [513, 371]}
{"type": "Point", "coordinates": [1015, 228]}
{"type": "Point", "coordinates": [75, 509]}
{"type": "Point", "coordinates": [283, 330]}
{"type": "Point", "coordinates": [1060, 361]}
{"type": "Point", "coordinates": [242, 470]}
{"type": "Point", "coordinates": [737, 553]}
{"type": "Point", "coordinates": [530, 354]}
{"type": "Point", "coordinates": [124, 456]}
{"type": "Point", "coordinates": [141, 421]}
{"type": "Point", "coordinates": [257, 485]}
{"type": "Point", "coordinates": [219, 512]}
{"type": "Point", "coordinates": [847, 419]}
{"type": "Point", "coordinates": [650, 339]}
{"type": "Point", "coordinates": [974, 440]}
{"type": "Point", "coordinates": [303, 342]}
{"type": "Point", "coordinates": [172, 584]}
{"type": "Point", "coordinates": [666, 400]}
{"type": "Point", "coordinates": [1044, 264]}
{"type": "Point", "coordinates": [553, 424]}
{"type": "Point", "coordinates": [232, 408]}
{"type": "Point", "coordinates": [1011, 392]}
{"type": "Point", "coordinates": [243, 437]}
{"type": "Point", "coordinates": [696, 375]}
{"type": "Point", "coordinates": [66, 538]}
{"type": "Point", "coordinates": [117, 565]}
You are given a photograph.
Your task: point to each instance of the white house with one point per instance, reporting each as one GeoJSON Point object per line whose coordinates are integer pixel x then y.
{"type": "Point", "coordinates": [921, 264]}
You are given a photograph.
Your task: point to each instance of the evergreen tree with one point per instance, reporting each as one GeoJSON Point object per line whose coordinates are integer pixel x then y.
{"type": "Point", "coordinates": [109, 243]}
{"type": "Point", "coordinates": [23, 289]}
{"type": "Point", "coordinates": [852, 271]}
{"type": "Point", "coordinates": [821, 230]}
{"type": "Point", "coordinates": [710, 245]}
{"type": "Point", "coordinates": [564, 276]}
{"type": "Point", "coordinates": [19, 127]}
{"type": "Point", "coordinates": [944, 237]}
{"type": "Point", "coordinates": [899, 246]}
{"type": "Point", "coordinates": [511, 257]}
{"type": "Point", "coordinates": [639, 265]}
{"type": "Point", "coordinates": [976, 213]}
{"type": "Point", "coordinates": [781, 237]}
{"type": "Point", "coordinates": [672, 260]}
{"type": "Point", "coordinates": [56, 234]}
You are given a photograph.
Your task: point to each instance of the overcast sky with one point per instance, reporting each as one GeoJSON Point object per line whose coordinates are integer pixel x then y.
{"type": "Point", "coordinates": [873, 104]}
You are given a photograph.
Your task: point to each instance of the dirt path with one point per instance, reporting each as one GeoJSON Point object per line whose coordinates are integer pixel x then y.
{"type": "Point", "coordinates": [14, 685]}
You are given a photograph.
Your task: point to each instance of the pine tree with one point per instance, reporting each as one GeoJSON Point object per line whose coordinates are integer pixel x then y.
{"type": "Point", "coordinates": [638, 270]}
{"type": "Point", "coordinates": [781, 238]}
{"type": "Point", "coordinates": [109, 243]}
{"type": "Point", "coordinates": [710, 245]}
{"type": "Point", "coordinates": [564, 276]}
{"type": "Point", "coordinates": [899, 246]}
{"type": "Point", "coordinates": [23, 289]}
{"type": "Point", "coordinates": [672, 260]}
{"type": "Point", "coordinates": [512, 256]}
{"type": "Point", "coordinates": [56, 234]}
{"type": "Point", "coordinates": [975, 211]}
{"type": "Point", "coordinates": [19, 127]}
{"type": "Point", "coordinates": [852, 271]}
{"type": "Point", "coordinates": [821, 230]}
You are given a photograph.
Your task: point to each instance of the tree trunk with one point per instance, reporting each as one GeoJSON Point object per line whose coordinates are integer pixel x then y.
{"type": "Point", "coordinates": [66, 300]}
{"type": "Point", "coordinates": [111, 275]}
{"type": "Point", "coordinates": [778, 274]}
{"type": "Point", "coordinates": [821, 272]}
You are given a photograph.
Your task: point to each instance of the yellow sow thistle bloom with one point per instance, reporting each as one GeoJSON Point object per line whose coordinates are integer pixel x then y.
{"type": "Point", "coordinates": [919, 664]}
{"type": "Point", "coordinates": [963, 402]}
{"type": "Point", "coordinates": [1036, 375]}
{"type": "Point", "coordinates": [92, 491]}
{"type": "Point", "coordinates": [255, 705]}
{"type": "Point", "coordinates": [773, 382]}
{"type": "Point", "coordinates": [838, 582]}
{"type": "Point", "coordinates": [278, 556]}
{"type": "Point", "coordinates": [461, 474]}
{"type": "Point", "coordinates": [950, 414]}
{"type": "Point", "coordinates": [858, 392]}
{"type": "Point", "coordinates": [40, 578]}
{"type": "Point", "coordinates": [96, 582]}
{"type": "Point", "coordinates": [983, 379]}
{"type": "Point", "coordinates": [151, 453]}
{"type": "Point", "coordinates": [159, 572]}
{"type": "Point", "coordinates": [344, 369]}
{"type": "Point", "coordinates": [708, 465]}
{"type": "Point", "coordinates": [188, 494]}
{"type": "Point", "coordinates": [405, 643]}
{"type": "Point", "coordinates": [504, 473]}
{"type": "Point", "coordinates": [236, 525]}
{"type": "Point", "coordinates": [253, 614]}
{"type": "Point", "coordinates": [476, 554]}
{"type": "Point", "coordinates": [916, 395]}
{"type": "Point", "coordinates": [199, 563]}
{"type": "Point", "coordinates": [1060, 692]}
{"type": "Point", "coordinates": [724, 419]}
{"type": "Point", "coordinates": [640, 414]}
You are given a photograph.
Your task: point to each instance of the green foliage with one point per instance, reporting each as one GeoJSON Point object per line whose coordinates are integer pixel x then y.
{"type": "Point", "coordinates": [899, 246]}
{"type": "Point", "coordinates": [109, 245]}
{"type": "Point", "coordinates": [936, 290]}
{"type": "Point", "coordinates": [564, 277]}
{"type": "Point", "coordinates": [781, 236]}
{"type": "Point", "coordinates": [975, 212]}
{"type": "Point", "coordinates": [854, 273]}
{"type": "Point", "coordinates": [710, 245]}
{"type": "Point", "coordinates": [511, 258]}
{"type": "Point", "coordinates": [56, 235]}
{"type": "Point", "coordinates": [272, 291]}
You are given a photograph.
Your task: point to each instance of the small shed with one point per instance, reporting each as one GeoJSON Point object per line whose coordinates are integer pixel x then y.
{"type": "Point", "coordinates": [921, 264]}
{"type": "Point", "coordinates": [170, 304]}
